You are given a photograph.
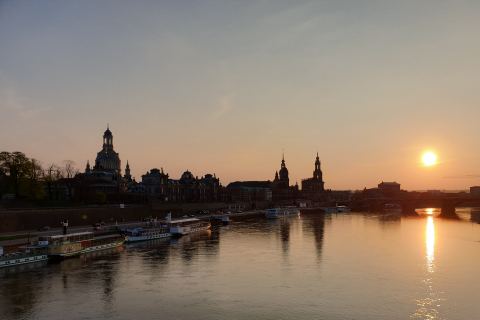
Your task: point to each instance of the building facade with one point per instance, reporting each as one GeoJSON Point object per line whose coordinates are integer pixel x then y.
{"type": "Point", "coordinates": [188, 188]}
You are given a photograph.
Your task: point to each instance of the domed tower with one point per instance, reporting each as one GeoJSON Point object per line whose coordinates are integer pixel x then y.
{"type": "Point", "coordinates": [107, 159]}
{"type": "Point", "coordinates": [108, 139]}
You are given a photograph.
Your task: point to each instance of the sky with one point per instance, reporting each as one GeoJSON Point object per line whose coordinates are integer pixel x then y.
{"type": "Point", "coordinates": [225, 87]}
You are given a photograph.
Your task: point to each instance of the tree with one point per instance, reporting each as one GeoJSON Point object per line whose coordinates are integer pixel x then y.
{"type": "Point", "coordinates": [50, 176]}
{"type": "Point", "coordinates": [16, 166]}
{"type": "Point", "coordinates": [69, 172]}
{"type": "Point", "coordinates": [34, 174]}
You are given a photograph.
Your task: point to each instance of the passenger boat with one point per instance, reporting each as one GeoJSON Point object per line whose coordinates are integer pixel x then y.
{"type": "Point", "coordinates": [275, 213]}
{"type": "Point", "coordinates": [343, 209]}
{"type": "Point", "coordinates": [75, 244]}
{"type": "Point", "coordinates": [392, 208]}
{"type": "Point", "coordinates": [186, 226]}
{"type": "Point", "coordinates": [336, 209]}
{"type": "Point", "coordinates": [29, 255]}
{"type": "Point", "coordinates": [145, 234]}
{"type": "Point", "coordinates": [224, 219]}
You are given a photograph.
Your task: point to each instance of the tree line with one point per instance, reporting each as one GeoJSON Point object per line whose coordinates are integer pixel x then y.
{"type": "Point", "coordinates": [26, 178]}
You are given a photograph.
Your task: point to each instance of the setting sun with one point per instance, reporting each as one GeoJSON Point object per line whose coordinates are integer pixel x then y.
{"type": "Point", "coordinates": [429, 159]}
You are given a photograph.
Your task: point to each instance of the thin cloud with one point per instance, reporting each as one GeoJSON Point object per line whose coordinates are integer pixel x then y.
{"type": "Point", "coordinates": [225, 105]}
{"type": "Point", "coordinates": [463, 176]}
{"type": "Point", "coordinates": [13, 103]}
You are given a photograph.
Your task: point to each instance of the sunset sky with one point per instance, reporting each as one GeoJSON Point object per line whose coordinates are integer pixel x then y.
{"type": "Point", "coordinates": [225, 86]}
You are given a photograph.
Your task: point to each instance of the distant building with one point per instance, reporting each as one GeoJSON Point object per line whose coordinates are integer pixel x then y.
{"type": "Point", "coordinates": [105, 176]}
{"type": "Point", "coordinates": [475, 191]}
{"type": "Point", "coordinates": [188, 188]}
{"type": "Point", "coordinates": [314, 187]}
{"type": "Point", "coordinates": [389, 188]}
{"type": "Point", "coordinates": [250, 191]}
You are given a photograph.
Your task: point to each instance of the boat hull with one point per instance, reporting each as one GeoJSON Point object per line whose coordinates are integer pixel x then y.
{"type": "Point", "coordinates": [65, 255]}
{"type": "Point", "coordinates": [280, 213]}
{"type": "Point", "coordinates": [131, 239]}
{"type": "Point", "coordinates": [184, 230]}
{"type": "Point", "coordinates": [22, 260]}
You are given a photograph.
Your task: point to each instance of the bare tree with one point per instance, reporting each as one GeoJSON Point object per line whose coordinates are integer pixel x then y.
{"type": "Point", "coordinates": [51, 175]}
{"type": "Point", "coordinates": [69, 172]}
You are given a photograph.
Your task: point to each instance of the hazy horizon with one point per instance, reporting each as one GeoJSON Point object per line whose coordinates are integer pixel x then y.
{"type": "Point", "coordinates": [226, 87]}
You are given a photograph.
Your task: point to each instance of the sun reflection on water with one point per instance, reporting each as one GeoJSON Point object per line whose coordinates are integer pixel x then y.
{"type": "Point", "coordinates": [427, 307]}
{"type": "Point", "coordinates": [430, 243]}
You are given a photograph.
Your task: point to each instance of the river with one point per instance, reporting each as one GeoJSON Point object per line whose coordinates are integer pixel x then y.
{"type": "Point", "coordinates": [316, 266]}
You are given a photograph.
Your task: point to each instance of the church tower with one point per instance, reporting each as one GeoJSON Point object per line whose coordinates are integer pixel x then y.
{"type": "Point", "coordinates": [283, 175]}
{"type": "Point", "coordinates": [317, 174]}
{"type": "Point", "coordinates": [127, 176]}
{"type": "Point", "coordinates": [107, 159]}
{"type": "Point", "coordinates": [314, 186]}
{"type": "Point", "coordinates": [107, 140]}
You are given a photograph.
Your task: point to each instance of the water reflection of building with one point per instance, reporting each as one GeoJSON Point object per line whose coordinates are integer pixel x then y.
{"type": "Point", "coordinates": [475, 215]}
{"type": "Point", "coordinates": [315, 224]}
{"type": "Point", "coordinates": [191, 246]}
{"type": "Point", "coordinates": [98, 269]}
{"type": "Point", "coordinates": [20, 292]}
{"type": "Point", "coordinates": [285, 234]}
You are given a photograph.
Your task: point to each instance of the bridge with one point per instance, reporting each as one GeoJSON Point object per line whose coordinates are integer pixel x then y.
{"type": "Point", "coordinates": [411, 201]}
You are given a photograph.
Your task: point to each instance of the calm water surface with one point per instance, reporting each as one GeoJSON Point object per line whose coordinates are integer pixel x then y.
{"type": "Point", "coordinates": [350, 266]}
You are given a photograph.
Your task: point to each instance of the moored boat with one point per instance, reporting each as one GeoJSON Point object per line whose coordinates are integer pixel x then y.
{"type": "Point", "coordinates": [145, 234]}
{"type": "Point", "coordinates": [186, 226]}
{"type": "Point", "coordinates": [29, 255]}
{"type": "Point", "coordinates": [343, 209]}
{"type": "Point", "coordinates": [75, 244]}
{"type": "Point", "coordinates": [275, 213]}
{"type": "Point", "coordinates": [224, 219]}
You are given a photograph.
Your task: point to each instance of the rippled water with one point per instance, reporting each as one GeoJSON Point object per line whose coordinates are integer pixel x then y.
{"type": "Point", "coordinates": [350, 266]}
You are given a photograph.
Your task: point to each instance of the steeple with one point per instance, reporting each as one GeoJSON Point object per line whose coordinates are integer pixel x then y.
{"type": "Point", "coordinates": [317, 173]}
{"type": "Point", "coordinates": [87, 168]}
{"type": "Point", "coordinates": [283, 174]}
{"type": "Point", "coordinates": [107, 140]}
{"type": "Point", "coordinates": [127, 172]}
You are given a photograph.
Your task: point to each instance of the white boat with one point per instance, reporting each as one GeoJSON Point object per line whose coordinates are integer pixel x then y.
{"type": "Point", "coordinates": [186, 226]}
{"type": "Point", "coordinates": [275, 213]}
{"type": "Point", "coordinates": [343, 209]}
{"type": "Point", "coordinates": [145, 234]}
{"type": "Point", "coordinates": [30, 255]}
{"type": "Point", "coordinates": [75, 244]}
{"type": "Point", "coordinates": [224, 219]}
